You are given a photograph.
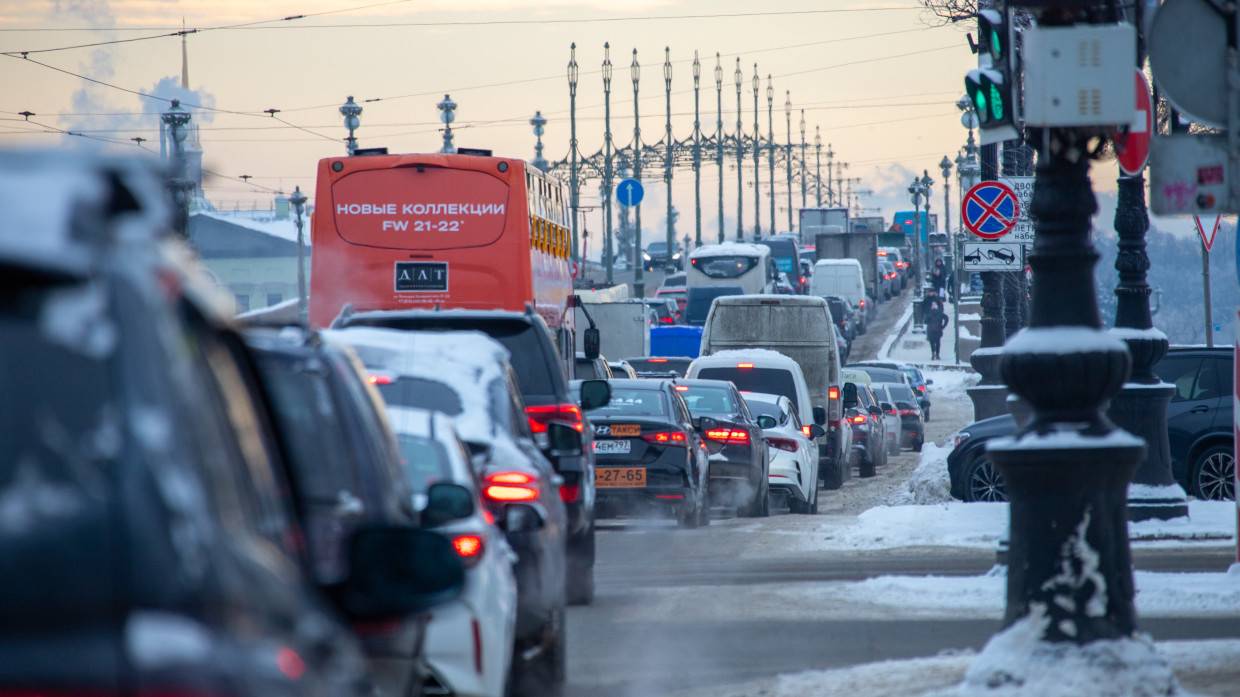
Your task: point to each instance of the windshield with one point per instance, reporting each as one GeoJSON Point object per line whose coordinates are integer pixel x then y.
{"type": "Point", "coordinates": [724, 266]}
{"type": "Point", "coordinates": [425, 461]}
{"type": "Point", "coordinates": [709, 401]}
{"type": "Point", "coordinates": [764, 380]}
{"type": "Point", "coordinates": [630, 401]}
{"type": "Point", "coordinates": [656, 247]}
{"type": "Point", "coordinates": [311, 425]}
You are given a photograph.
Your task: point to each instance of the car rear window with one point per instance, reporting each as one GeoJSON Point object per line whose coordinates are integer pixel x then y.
{"type": "Point", "coordinates": [724, 266]}
{"type": "Point", "coordinates": [425, 461]}
{"type": "Point", "coordinates": [629, 401]}
{"type": "Point", "coordinates": [764, 380]}
{"type": "Point", "coordinates": [648, 366]}
{"type": "Point", "coordinates": [901, 393]}
{"type": "Point", "coordinates": [882, 374]}
{"type": "Point", "coordinates": [699, 300]}
{"type": "Point", "coordinates": [766, 409]}
{"type": "Point", "coordinates": [421, 393]}
{"type": "Point", "coordinates": [709, 401]}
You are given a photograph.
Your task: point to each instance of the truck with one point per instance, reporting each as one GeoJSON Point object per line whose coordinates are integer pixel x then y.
{"type": "Point", "coordinates": [624, 327]}
{"type": "Point", "coordinates": [867, 223]}
{"type": "Point", "coordinates": [834, 243]}
{"type": "Point", "coordinates": [816, 220]}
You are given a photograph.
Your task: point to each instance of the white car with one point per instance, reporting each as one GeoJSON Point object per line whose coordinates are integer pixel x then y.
{"type": "Point", "coordinates": [468, 641]}
{"type": "Point", "coordinates": [794, 454]}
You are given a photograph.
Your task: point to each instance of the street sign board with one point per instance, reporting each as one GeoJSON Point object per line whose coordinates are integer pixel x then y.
{"type": "Point", "coordinates": [990, 210]}
{"type": "Point", "coordinates": [1207, 241]}
{"type": "Point", "coordinates": [1189, 175]}
{"type": "Point", "coordinates": [1134, 146]}
{"type": "Point", "coordinates": [629, 192]}
{"type": "Point", "coordinates": [993, 256]}
{"type": "Point", "coordinates": [1023, 186]}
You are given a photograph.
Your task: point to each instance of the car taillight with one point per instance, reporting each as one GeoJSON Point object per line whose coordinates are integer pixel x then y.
{"type": "Point", "coordinates": [861, 303]}
{"type": "Point", "coordinates": [681, 388]}
{"type": "Point", "coordinates": [666, 438]}
{"type": "Point", "coordinates": [541, 415]}
{"type": "Point", "coordinates": [893, 412]}
{"type": "Point", "coordinates": [786, 444]}
{"type": "Point", "coordinates": [908, 412]}
{"type": "Point", "coordinates": [806, 430]}
{"type": "Point", "coordinates": [745, 366]}
{"type": "Point", "coordinates": [921, 389]}
{"type": "Point", "coordinates": [469, 547]}
{"type": "Point", "coordinates": [833, 393]}
{"type": "Point", "coordinates": [665, 320]}
{"type": "Point", "coordinates": [858, 419]}
{"type": "Point", "coordinates": [570, 493]}
{"type": "Point", "coordinates": [377, 379]}
{"type": "Point", "coordinates": [510, 487]}
{"type": "Point", "coordinates": [728, 435]}
{"type": "Point", "coordinates": [656, 360]}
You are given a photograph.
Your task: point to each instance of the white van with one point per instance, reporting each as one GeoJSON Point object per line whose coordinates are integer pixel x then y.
{"type": "Point", "coordinates": [799, 328]}
{"type": "Point", "coordinates": [842, 277]}
{"type": "Point", "coordinates": [733, 264]}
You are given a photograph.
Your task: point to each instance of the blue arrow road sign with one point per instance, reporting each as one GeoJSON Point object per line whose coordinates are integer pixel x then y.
{"type": "Point", "coordinates": [630, 192]}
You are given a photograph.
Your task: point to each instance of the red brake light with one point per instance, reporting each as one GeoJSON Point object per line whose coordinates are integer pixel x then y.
{"type": "Point", "coordinates": [861, 303]}
{"type": "Point", "coordinates": [681, 388]}
{"type": "Point", "coordinates": [786, 444]}
{"type": "Point", "coordinates": [657, 360]}
{"type": "Point", "coordinates": [806, 431]}
{"type": "Point", "coordinates": [729, 435]}
{"type": "Point", "coordinates": [510, 487]}
{"type": "Point", "coordinates": [570, 493]}
{"type": "Point", "coordinates": [833, 393]}
{"type": "Point", "coordinates": [541, 415]}
{"type": "Point", "coordinates": [666, 437]}
{"type": "Point", "coordinates": [921, 389]}
{"type": "Point", "coordinates": [376, 379]}
{"type": "Point", "coordinates": [666, 320]}
{"type": "Point", "coordinates": [744, 366]}
{"type": "Point", "coordinates": [908, 412]}
{"type": "Point", "coordinates": [468, 546]}
{"type": "Point", "coordinates": [858, 419]}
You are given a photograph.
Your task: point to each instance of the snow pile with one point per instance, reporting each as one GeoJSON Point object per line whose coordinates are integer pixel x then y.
{"type": "Point", "coordinates": [1062, 341]}
{"type": "Point", "coordinates": [950, 384]}
{"type": "Point", "coordinates": [930, 482]}
{"type": "Point", "coordinates": [1017, 662]}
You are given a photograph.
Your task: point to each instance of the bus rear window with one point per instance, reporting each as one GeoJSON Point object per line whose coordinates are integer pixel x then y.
{"type": "Point", "coordinates": [422, 208]}
{"type": "Point", "coordinates": [724, 267]}
{"type": "Point", "coordinates": [764, 380]}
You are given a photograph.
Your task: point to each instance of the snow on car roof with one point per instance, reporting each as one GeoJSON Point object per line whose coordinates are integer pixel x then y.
{"type": "Point", "coordinates": [730, 249]}
{"type": "Point", "coordinates": [748, 355]}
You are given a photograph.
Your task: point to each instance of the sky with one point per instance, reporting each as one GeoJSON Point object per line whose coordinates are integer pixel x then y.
{"type": "Point", "coordinates": [879, 77]}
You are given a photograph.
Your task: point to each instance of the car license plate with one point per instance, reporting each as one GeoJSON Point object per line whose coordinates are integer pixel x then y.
{"type": "Point", "coordinates": [626, 430]}
{"type": "Point", "coordinates": [612, 447]}
{"type": "Point", "coordinates": [620, 477]}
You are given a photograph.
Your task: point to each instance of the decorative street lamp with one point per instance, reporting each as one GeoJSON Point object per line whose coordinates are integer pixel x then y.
{"type": "Point", "coordinates": [447, 114]}
{"type": "Point", "coordinates": [739, 77]}
{"type": "Point", "coordinates": [945, 165]}
{"type": "Point", "coordinates": [804, 160]}
{"type": "Point", "coordinates": [574, 192]}
{"type": "Point", "coordinates": [719, 136]}
{"type": "Point", "coordinates": [671, 144]}
{"type": "Point", "coordinates": [830, 186]}
{"type": "Point", "coordinates": [298, 200]}
{"type": "Point", "coordinates": [639, 286]}
{"type": "Point", "coordinates": [609, 257]}
{"type": "Point", "coordinates": [539, 123]}
{"type": "Point", "coordinates": [818, 166]}
{"type": "Point", "coordinates": [788, 152]}
{"type": "Point", "coordinates": [176, 122]}
{"type": "Point", "coordinates": [770, 142]}
{"type": "Point", "coordinates": [757, 159]}
{"type": "Point", "coordinates": [697, 154]}
{"type": "Point", "coordinates": [351, 112]}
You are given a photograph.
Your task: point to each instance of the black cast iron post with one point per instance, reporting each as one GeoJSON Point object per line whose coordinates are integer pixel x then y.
{"type": "Point", "coordinates": [990, 395]}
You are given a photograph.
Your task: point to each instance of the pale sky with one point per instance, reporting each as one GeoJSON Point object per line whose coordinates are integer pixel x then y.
{"type": "Point", "coordinates": [884, 103]}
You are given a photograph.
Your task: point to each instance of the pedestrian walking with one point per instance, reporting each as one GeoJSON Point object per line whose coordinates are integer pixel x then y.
{"type": "Point", "coordinates": [936, 322]}
{"type": "Point", "coordinates": [938, 277]}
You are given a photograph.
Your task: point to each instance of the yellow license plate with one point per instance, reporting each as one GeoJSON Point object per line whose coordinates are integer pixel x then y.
{"type": "Point", "coordinates": [620, 477]}
{"type": "Point", "coordinates": [625, 430]}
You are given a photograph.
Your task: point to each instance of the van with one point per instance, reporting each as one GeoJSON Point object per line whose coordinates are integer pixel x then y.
{"type": "Point", "coordinates": [801, 328]}
{"type": "Point", "coordinates": [733, 264]}
{"type": "Point", "coordinates": [842, 277]}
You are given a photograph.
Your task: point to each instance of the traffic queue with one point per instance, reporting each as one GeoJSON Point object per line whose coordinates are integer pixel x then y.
{"type": "Point", "coordinates": [395, 498]}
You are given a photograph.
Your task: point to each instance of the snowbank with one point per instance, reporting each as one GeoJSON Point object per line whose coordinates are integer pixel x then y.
{"type": "Point", "coordinates": [930, 482]}
{"type": "Point", "coordinates": [950, 384]}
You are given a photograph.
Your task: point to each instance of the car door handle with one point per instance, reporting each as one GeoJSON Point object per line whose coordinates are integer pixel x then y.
{"type": "Point", "coordinates": [1199, 409]}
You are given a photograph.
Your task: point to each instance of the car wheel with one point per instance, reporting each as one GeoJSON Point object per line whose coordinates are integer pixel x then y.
{"type": "Point", "coordinates": [983, 482]}
{"type": "Point", "coordinates": [813, 506]}
{"type": "Point", "coordinates": [867, 468]}
{"type": "Point", "coordinates": [1213, 476]}
{"type": "Point", "coordinates": [760, 507]}
{"type": "Point", "coordinates": [704, 509]}
{"type": "Point", "coordinates": [544, 675]}
{"type": "Point", "coordinates": [921, 440]}
{"type": "Point", "coordinates": [580, 586]}
{"type": "Point", "coordinates": [925, 415]}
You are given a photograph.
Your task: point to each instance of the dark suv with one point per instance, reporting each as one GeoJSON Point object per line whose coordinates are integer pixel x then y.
{"type": "Point", "coordinates": [148, 512]}
{"type": "Point", "coordinates": [540, 367]}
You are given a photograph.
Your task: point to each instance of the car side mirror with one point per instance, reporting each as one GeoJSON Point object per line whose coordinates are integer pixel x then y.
{"type": "Point", "coordinates": [887, 407]}
{"type": "Point", "coordinates": [396, 571]}
{"type": "Point", "coordinates": [820, 415]}
{"type": "Point", "coordinates": [563, 440]}
{"type": "Point", "coordinates": [519, 517]}
{"type": "Point", "coordinates": [595, 394]}
{"type": "Point", "coordinates": [850, 394]}
{"type": "Point", "coordinates": [591, 341]}
{"type": "Point", "coordinates": [446, 502]}
{"type": "Point", "coordinates": [766, 421]}
{"type": "Point", "coordinates": [875, 411]}
{"type": "Point", "coordinates": [816, 432]}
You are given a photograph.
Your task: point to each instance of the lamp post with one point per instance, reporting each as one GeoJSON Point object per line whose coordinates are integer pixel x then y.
{"type": "Point", "coordinates": [945, 165]}
{"type": "Point", "coordinates": [697, 154]}
{"type": "Point", "coordinates": [757, 159]}
{"type": "Point", "coordinates": [298, 200]}
{"type": "Point", "coordinates": [804, 181]}
{"type": "Point", "coordinates": [719, 136]}
{"type": "Point", "coordinates": [788, 152]}
{"type": "Point", "coordinates": [919, 194]}
{"type": "Point", "coordinates": [667, 170]}
{"type": "Point", "coordinates": [351, 112]}
{"type": "Point", "coordinates": [609, 257]}
{"type": "Point", "coordinates": [740, 156]}
{"type": "Point", "coordinates": [830, 187]}
{"type": "Point", "coordinates": [818, 166]}
{"type": "Point", "coordinates": [574, 191]}
{"type": "Point", "coordinates": [176, 121]}
{"type": "Point", "coordinates": [770, 143]}
{"type": "Point", "coordinates": [539, 122]}
{"type": "Point", "coordinates": [447, 114]}
{"type": "Point", "coordinates": [639, 286]}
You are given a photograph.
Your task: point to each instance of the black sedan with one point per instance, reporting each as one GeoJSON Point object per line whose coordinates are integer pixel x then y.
{"type": "Point", "coordinates": [649, 458]}
{"type": "Point", "coordinates": [973, 476]}
{"type": "Point", "coordinates": [739, 461]}
{"type": "Point", "coordinates": [912, 427]}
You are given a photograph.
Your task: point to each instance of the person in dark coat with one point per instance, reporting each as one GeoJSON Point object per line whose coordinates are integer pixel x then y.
{"type": "Point", "coordinates": [936, 322]}
{"type": "Point", "coordinates": [938, 277]}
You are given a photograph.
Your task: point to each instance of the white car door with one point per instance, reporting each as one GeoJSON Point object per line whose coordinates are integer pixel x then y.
{"type": "Point", "coordinates": [807, 454]}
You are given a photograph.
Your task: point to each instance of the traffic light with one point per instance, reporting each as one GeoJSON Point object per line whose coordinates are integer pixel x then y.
{"type": "Point", "coordinates": [993, 86]}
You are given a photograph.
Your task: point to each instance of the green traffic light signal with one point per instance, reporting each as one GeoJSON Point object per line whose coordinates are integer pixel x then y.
{"type": "Point", "coordinates": [979, 105]}
{"type": "Point", "coordinates": [996, 45]}
{"type": "Point", "coordinates": [996, 103]}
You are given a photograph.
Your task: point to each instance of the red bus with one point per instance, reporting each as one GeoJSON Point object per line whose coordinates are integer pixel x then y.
{"type": "Point", "coordinates": [419, 231]}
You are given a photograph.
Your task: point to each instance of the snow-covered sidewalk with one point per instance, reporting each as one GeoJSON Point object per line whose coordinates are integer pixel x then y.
{"type": "Point", "coordinates": [912, 347]}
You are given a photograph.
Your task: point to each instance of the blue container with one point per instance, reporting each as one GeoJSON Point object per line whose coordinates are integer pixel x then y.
{"type": "Point", "coordinates": [675, 341]}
